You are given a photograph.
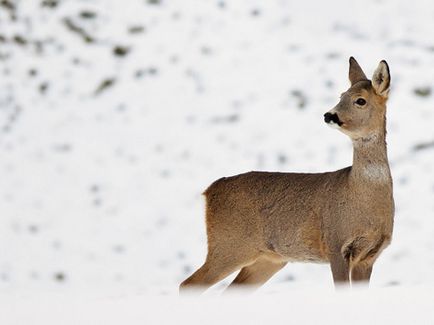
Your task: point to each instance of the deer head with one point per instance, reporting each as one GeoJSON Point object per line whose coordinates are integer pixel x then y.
{"type": "Point", "coordinates": [361, 110]}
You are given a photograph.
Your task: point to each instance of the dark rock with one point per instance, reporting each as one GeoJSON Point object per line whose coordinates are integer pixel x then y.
{"type": "Point", "coordinates": [205, 50]}
{"type": "Point", "coordinates": [423, 146]}
{"type": "Point", "coordinates": [300, 97]}
{"type": "Point", "coordinates": [33, 72]}
{"type": "Point", "coordinates": [73, 27]}
{"type": "Point", "coordinates": [136, 29]}
{"type": "Point", "coordinates": [121, 51]}
{"type": "Point", "coordinates": [186, 269]}
{"type": "Point", "coordinates": [226, 119]}
{"type": "Point", "coordinates": [119, 249]}
{"type": "Point", "coordinates": [221, 4]}
{"type": "Point", "coordinates": [59, 276]}
{"type": "Point", "coordinates": [86, 14]}
{"type": "Point", "coordinates": [50, 4]}
{"type": "Point", "coordinates": [104, 85]}
{"type": "Point", "coordinates": [282, 158]}
{"type": "Point", "coordinates": [152, 71]}
{"type": "Point", "coordinates": [422, 91]}
{"type": "Point", "coordinates": [255, 12]}
{"type": "Point", "coordinates": [62, 148]}
{"type": "Point", "coordinates": [43, 87]}
{"type": "Point", "coordinates": [20, 40]}
{"type": "Point", "coordinates": [8, 5]}
{"type": "Point", "coordinates": [289, 278]}
{"type": "Point", "coordinates": [33, 229]}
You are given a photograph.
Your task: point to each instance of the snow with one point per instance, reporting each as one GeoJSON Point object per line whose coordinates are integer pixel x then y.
{"type": "Point", "coordinates": [107, 144]}
{"type": "Point", "coordinates": [301, 306]}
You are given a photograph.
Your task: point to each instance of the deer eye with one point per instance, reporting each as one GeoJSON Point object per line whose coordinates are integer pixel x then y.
{"type": "Point", "coordinates": [360, 101]}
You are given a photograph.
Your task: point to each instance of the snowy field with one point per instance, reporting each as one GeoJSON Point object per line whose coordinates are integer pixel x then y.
{"type": "Point", "coordinates": [116, 115]}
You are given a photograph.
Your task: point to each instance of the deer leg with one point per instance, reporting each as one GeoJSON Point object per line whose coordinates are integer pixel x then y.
{"type": "Point", "coordinates": [340, 269]}
{"type": "Point", "coordinates": [256, 274]}
{"type": "Point", "coordinates": [361, 272]}
{"type": "Point", "coordinates": [215, 269]}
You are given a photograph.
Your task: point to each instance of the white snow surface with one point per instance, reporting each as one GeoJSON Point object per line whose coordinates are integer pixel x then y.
{"type": "Point", "coordinates": [116, 115]}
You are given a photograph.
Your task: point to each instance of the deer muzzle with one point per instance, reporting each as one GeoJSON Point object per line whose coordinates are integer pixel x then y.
{"type": "Point", "coordinates": [332, 118]}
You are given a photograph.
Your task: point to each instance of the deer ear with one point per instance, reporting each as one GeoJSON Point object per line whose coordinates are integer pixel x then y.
{"type": "Point", "coordinates": [381, 79]}
{"type": "Point", "coordinates": [356, 73]}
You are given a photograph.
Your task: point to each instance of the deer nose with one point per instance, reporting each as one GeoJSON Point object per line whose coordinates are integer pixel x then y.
{"type": "Point", "coordinates": [332, 118]}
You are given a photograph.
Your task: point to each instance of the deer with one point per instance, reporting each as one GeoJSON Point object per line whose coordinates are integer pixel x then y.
{"type": "Point", "coordinates": [257, 222]}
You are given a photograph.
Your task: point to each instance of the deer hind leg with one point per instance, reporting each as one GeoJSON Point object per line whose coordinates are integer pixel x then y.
{"type": "Point", "coordinates": [218, 265]}
{"type": "Point", "coordinates": [256, 274]}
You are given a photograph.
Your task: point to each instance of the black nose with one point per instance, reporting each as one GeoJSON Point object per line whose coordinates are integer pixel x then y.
{"type": "Point", "coordinates": [329, 117]}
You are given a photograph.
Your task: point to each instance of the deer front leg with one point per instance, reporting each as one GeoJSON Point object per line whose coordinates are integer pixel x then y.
{"type": "Point", "coordinates": [361, 273]}
{"type": "Point", "coordinates": [340, 269]}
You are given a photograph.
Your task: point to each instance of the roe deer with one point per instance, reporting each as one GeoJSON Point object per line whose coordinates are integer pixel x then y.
{"type": "Point", "coordinates": [259, 221]}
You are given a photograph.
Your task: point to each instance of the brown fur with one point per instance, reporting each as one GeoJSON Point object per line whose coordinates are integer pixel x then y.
{"type": "Point", "coordinates": [259, 221]}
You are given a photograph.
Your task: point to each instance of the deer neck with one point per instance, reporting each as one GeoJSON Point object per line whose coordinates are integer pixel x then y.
{"type": "Point", "coordinates": [370, 163]}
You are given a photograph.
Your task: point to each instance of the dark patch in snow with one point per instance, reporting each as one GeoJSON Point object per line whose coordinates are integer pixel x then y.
{"type": "Point", "coordinates": [76, 29]}
{"type": "Point", "coordinates": [403, 180]}
{"type": "Point", "coordinates": [20, 40]}
{"type": "Point", "coordinates": [422, 91]}
{"type": "Point", "coordinates": [162, 222]}
{"type": "Point", "coordinates": [9, 6]}
{"type": "Point", "coordinates": [221, 4]}
{"type": "Point", "coordinates": [187, 269]}
{"type": "Point", "coordinates": [165, 173]}
{"type": "Point", "coordinates": [152, 71]}
{"type": "Point", "coordinates": [62, 148]}
{"type": "Point", "coordinates": [120, 51]}
{"type": "Point", "coordinates": [423, 146]}
{"type": "Point", "coordinates": [43, 87]}
{"type": "Point", "coordinates": [333, 55]}
{"type": "Point", "coordinates": [282, 158]}
{"type": "Point", "coordinates": [33, 229]}
{"type": "Point", "coordinates": [300, 97]}
{"type": "Point", "coordinates": [119, 249]}
{"type": "Point", "coordinates": [59, 276]}
{"type": "Point", "coordinates": [154, 2]}
{"type": "Point", "coordinates": [56, 244]}
{"type": "Point", "coordinates": [87, 14]}
{"type": "Point", "coordinates": [255, 12]}
{"type": "Point", "coordinates": [97, 202]}
{"type": "Point", "coordinates": [33, 72]}
{"type": "Point", "coordinates": [206, 50]}
{"type": "Point", "coordinates": [232, 118]}
{"type": "Point", "coordinates": [104, 85]}
{"type": "Point", "coordinates": [52, 4]}
{"type": "Point", "coordinates": [4, 277]}
{"type": "Point", "coordinates": [329, 84]}
{"type": "Point", "coordinates": [137, 29]}
{"type": "Point", "coordinates": [34, 275]}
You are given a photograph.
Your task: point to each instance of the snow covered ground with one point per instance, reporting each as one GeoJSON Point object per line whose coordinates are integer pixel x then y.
{"type": "Point", "coordinates": [391, 306]}
{"type": "Point", "coordinates": [116, 115]}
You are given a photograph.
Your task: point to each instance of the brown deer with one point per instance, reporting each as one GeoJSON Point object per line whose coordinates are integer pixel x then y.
{"type": "Point", "coordinates": [260, 221]}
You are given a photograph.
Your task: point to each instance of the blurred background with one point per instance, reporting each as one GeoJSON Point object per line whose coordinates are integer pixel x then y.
{"type": "Point", "coordinates": [116, 115]}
